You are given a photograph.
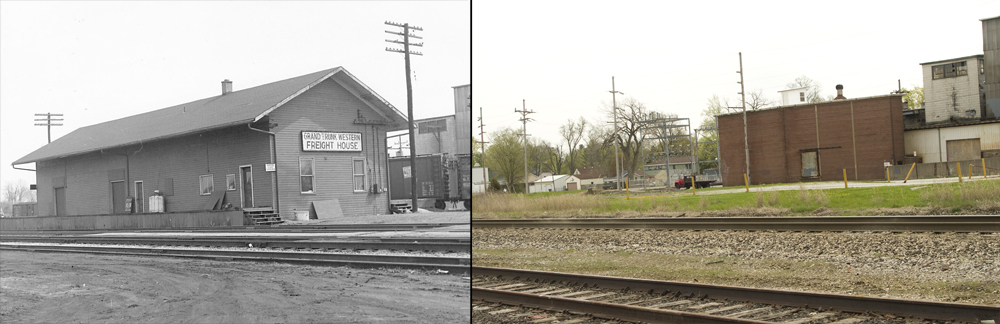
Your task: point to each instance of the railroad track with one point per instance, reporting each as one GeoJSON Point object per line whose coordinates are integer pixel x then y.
{"type": "Point", "coordinates": [297, 243]}
{"type": "Point", "coordinates": [510, 294]}
{"type": "Point", "coordinates": [969, 224]}
{"type": "Point", "coordinates": [452, 264]}
{"type": "Point", "coordinates": [336, 228]}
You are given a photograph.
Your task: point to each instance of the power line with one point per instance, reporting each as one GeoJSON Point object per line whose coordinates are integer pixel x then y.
{"type": "Point", "coordinates": [48, 122]}
{"type": "Point", "coordinates": [409, 97]}
{"type": "Point", "coordinates": [746, 141]}
{"type": "Point", "coordinates": [482, 148]}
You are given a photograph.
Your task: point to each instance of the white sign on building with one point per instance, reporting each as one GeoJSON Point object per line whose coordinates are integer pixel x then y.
{"type": "Point", "coordinates": [331, 142]}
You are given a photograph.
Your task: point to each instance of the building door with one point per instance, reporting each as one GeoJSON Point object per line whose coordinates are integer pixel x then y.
{"type": "Point", "coordinates": [118, 195]}
{"type": "Point", "coordinates": [139, 198]}
{"type": "Point", "coordinates": [246, 181]}
{"type": "Point", "coordinates": [60, 201]}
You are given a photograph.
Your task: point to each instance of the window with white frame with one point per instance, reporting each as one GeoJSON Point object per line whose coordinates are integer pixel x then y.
{"type": "Point", "coordinates": [207, 184]}
{"type": "Point", "coordinates": [230, 182]}
{"type": "Point", "coordinates": [359, 174]}
{"type": "Point", "coordinates": [307, 175]}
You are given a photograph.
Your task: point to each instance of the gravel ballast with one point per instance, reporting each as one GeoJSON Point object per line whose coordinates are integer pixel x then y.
{"type": "Point", "coordinates": [902, 265]}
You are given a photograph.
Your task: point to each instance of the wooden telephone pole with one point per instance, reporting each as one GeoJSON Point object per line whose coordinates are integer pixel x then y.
{"type": "Point", "coordinates": [48, 122]}
{"type": "Point", "coordinates": [409, 97]}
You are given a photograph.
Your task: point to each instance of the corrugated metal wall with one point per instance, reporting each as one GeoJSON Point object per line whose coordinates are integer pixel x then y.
{"type": "Point", "coordinates": [991, 51]}
{"type": "Point", "coordinates": [931, 144]}
{"type": "Point", "coordinates": [463, 119]}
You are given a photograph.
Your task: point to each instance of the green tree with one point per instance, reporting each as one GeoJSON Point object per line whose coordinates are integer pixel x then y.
{"type": "Point", "coordinates": [477, 155]}
{"type": "Point", "coordinates": [709, 151]}
{"type": "Point", "coordinates": [505, 156]}
{"type": "Point", "coordinates": [914, 97]}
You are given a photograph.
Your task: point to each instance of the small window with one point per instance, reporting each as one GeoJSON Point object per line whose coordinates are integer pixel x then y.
{"type": "Point", "coordinates": [802, 97]}
{"type": "Point", "coordinates": [949, 70]}
{"type": "Point", "coordinates": [810, 165]}
{"type": "Point", "coordinates": [207, 184]}
{"type": "Point", "coordinates": [306, 175]}
{"type": "Point", "coordinates": [359, 174]}
{"type": "Point", "coordinates": [230, 182]}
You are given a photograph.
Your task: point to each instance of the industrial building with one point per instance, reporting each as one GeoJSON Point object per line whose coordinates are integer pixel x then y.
{"type": "Point", "coordinates": [813, 142]}
{"type": "Point", "coordinates": [284, 147]}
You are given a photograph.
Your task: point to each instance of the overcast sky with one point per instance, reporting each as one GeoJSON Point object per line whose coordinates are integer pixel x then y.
{"type": "Point", "coordinates": [673, 56]}
{"type": "Point", "coordinates": [99, 61]}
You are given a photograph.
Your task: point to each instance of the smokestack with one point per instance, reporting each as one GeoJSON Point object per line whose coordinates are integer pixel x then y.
{"type": "Point", "coordinates": [227, 86]}
{"type": "Point", "coordinates": [840, 92]}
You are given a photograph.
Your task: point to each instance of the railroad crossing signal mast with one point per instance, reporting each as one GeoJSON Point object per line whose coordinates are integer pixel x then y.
{"type": "Point", "coordinates": [409, 96]}
{"type": "Point", "coordinates": [48, 122]}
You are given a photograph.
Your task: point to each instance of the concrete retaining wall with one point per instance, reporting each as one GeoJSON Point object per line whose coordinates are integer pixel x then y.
{"type": "Point", "coordinates": [945, 169]}
{"type": "Point", "coordinates": [129, 221]}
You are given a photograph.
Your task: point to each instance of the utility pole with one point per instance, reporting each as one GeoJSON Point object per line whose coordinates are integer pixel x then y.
{"type": "Point", "coordinates": [524, 134]}
{"type": "Point", "coordinates": [614, 105]}
{"type": "Point", "coordinates": [746, 141]}
{"type": "Point", "coordinates": [48, 122]}
{"type": "Point", "coordinates": [482, 149]}
{"type": "Point", "coordinates": [409, 97]}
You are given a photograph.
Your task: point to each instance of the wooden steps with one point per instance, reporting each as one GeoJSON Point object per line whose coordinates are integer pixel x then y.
{"type": "Point", "coordinates": [262, 216]}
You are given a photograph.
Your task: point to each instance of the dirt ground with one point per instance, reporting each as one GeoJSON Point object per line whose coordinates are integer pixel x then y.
{"type": "Point", "coordinates": [87, 288]}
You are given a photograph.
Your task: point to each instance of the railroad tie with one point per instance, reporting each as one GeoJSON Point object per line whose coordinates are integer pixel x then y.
{"type": "Point", "coordinates": [671, 304]}
{"type": "Point", "coordinates": [704, 306]}
{"type": "Point", "coordinates": [750, 312]}
{"type": "Point", "coordinates": [595, 296]}
{"type": "Point", "coordinates": [504, 311]}
{"type": "Point", "coordinates": [554, 292]}
{"type": "Point", "coordinates": [777, 315]}
{"type": "Point", "coordinates": [574, 294]}
{"type": "Point", "coordinates": [811, 318]}
{"type": "Point", "coordinates": [851, 320]}
{"type": "Point", "coordinates": [724, 309]}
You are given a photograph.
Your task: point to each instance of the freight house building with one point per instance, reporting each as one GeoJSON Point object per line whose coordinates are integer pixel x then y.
{"type": "Point", "coordinates": [286, 147]}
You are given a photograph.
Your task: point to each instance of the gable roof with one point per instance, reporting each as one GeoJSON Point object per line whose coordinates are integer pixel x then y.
{"type": "Point", "coordinates": [588, 173]}
{"type": "Point", "coordinates": [235, 108]}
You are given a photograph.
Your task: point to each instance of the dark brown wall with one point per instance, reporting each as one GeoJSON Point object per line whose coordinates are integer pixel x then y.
{"type": "Point", "coordinates": [778, 136]}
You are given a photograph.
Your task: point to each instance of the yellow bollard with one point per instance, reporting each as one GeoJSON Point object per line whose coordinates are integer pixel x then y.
{"type": "Point", "coordinates": [694, 185]}
{"type": "Point", "coordinates": [845, 178]}
{"type": "Point", "coordinates": [959, 164]}
{"type": "Point", "coordinates": [746, 182]}
{"type": "Point", "coordinates": [984, 168]}
{"type": "Point", "coordinates": [887, 175]}
{"type": "Point", "coordinates": [911, 171]}
{"type": "Point", "coordinates": [627, 197]}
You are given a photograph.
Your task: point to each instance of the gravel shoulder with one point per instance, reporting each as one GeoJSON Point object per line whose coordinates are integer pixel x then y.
{"type": "Point", "coordinates": [941, 267]}
{"type": "Point", "coordinates": [86, 288]}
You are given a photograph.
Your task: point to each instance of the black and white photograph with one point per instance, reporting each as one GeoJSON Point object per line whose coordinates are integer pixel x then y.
{"type": "Point", "coordinates": [235, 162]}
{"type": "Point", "coordinates": [736, 162]}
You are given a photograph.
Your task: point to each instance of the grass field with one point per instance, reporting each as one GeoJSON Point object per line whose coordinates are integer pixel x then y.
{"type": "Point", "coordinates": [976, 197]}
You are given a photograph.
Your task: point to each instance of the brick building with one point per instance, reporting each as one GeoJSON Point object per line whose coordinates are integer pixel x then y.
{"type": "Point", "coordinates": [281, 146]}
{"type": "Point", "coordinates": [814, 142]}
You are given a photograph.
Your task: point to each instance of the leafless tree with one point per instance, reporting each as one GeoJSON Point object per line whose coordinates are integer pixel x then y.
{"type": "Point", "coordinates": [16, 192]}
{"type": "Point", "coordinates": [572, 133]}
{"type": "Point", "coordinates": [812, 94]}
{"type": "Point", "coordinates": [759, 101]}
{"type": "Point", "coordinates": [630, 116]}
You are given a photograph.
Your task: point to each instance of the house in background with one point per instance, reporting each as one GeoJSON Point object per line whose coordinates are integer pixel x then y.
{"type": "Point", "coordinates": [552, 183]}
{"type": "Point", "coordinates": [589, 177]}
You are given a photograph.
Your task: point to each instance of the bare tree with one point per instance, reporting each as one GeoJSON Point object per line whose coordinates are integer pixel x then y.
{"type": "Point", "coordinates": [15, 192]}
{"type": "Point", "coordinates": [572, 133]}
{"type": "Point", "coordinates": [759, 101]}
{"type": "Point", "coordinates": [812, 94]}
{"type": "Point", "coordinates": [630, 117]}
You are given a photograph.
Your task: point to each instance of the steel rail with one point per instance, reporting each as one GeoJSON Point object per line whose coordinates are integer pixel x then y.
{"type": "Point", "coordinates": [970, 224]}
{"type": "Point", "coordinates": [257, 242]}
{"type": "Point", "coordinates": [325, 259]}
{"type": "Point", "coordinates": [332, 237]}
{"type": "Point", "coordinates": [600, 309]}
{"type": "Point", "coordinates": [861, 304]}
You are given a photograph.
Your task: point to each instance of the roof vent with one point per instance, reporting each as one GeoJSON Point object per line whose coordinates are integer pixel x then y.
{"type": "Point", "coordinates": [840, 92]}
{"type": "Point", "coordinates": [227, 86]}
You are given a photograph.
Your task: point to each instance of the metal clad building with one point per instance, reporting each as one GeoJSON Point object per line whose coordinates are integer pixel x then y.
{"type": "Point", "coordinates": [463, 117]}
{"type": "Point", "coordinates": [933, 143]}
{"type": "Point", "coordinates": [281, 146]}
{"type": "Point", "coordinates": [991, 51]}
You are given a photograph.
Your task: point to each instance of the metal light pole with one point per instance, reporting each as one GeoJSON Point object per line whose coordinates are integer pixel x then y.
{"type": "Point", "coordinates": [614, 106]}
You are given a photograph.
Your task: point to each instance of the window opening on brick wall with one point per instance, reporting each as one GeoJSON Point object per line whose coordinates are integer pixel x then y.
{"type": "Point", "coordinates": [810, 164]}
{"type": "Point", "coordinates": [359, 174]}
{"type": "Point", "coordinates": [949, 70]}
{"type": "Point", "coordinates": [207, 184]}
{"type": "Point", "coordinates": [307, 175]}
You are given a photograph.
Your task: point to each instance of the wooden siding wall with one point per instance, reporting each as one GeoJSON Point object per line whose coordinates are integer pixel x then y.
{"type": "Point", "coordinates": [777, 136]}
{"type": "Point", "coordinates": [182, 159]}
{"type": "Point", "coordinates": [331, 108]}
